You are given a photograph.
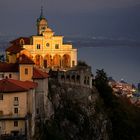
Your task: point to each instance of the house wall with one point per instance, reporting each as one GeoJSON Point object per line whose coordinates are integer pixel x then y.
{"type": "Point", "coordinates": [26, 107]}
{"type": "Point", "coordinates": [14, 75]}
{"type": "Point", "coordinates": [7, 126]}
{"type": "Point", "coordinates": [7, 106]}
{"type": "Point", "coordinates": [42, 96]}
{"type": "Point", "coordinates": [23, 76]}
{"type": "Point", "coordinates": [11, 58]}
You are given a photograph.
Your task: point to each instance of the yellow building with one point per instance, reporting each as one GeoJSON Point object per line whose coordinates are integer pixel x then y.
{"type": "Point", "coordinates": [45, 49]}
{"type": "Point", "coordinates": [17, 108]}
{"type": "Point", "coordinates": [23, 97]}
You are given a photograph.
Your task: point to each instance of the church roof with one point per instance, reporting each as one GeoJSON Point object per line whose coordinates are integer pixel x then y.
{"type": "Point", "coordinates": [14, 67]}
{"type": "Point", "coordinates": [11, 85]}
{"type": "Point", "coordinates": [41, 15]}
{"type": "Point", "coordinates": [14, 49]}
{"type": "Point", "coordinates": [23, 59]}
{"type": "Point", "coordinates": [38, 74]}
{"type": "Point", "coordinates": [8, 67]}
{"type": "Point", "coordinates": [17, 41]}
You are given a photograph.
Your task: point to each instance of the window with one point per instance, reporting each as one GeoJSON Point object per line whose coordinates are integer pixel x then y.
{"type": "Point", "coordinates": [1, 112]}
{"type": "Point", "coordinates": [37, 111]}
{"type": "Point", "coordinates": [16, 123]}
{"type": "Point", "coordinates": [73, 63]}
{"type": "Point", "coordinates": [26, 71]}
{"type": "Point", "coordinates": [3, 125]}
{"type": "Point", "coordinates": [1, 96]}
{"type": "Point", "coordinates": [10, 75]}
{"type": "Point", "coordinates": [22, 42]}
{"type": "Point", "coordinates": [15, 98]}
{"type": "Point", "coordinates": [43, 28]}
{"type": "Point", "coordinates": [1, 75]}
{"type": "Point", "coordinates": [16, 103]}
{"type": "Point", "coordinates": [47, 44]}
{"type": "Point", "coordinates": [38, 46]}
{"type": "Point", "coordinates": [85, 80]}
{"type": "Point", "coordinates": [15, 110]}
{"type": "Point", "coordinates": [56, 46]}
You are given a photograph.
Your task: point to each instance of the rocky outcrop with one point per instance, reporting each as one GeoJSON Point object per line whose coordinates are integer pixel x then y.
{"type": "Point", "coordinates": [76, 114]}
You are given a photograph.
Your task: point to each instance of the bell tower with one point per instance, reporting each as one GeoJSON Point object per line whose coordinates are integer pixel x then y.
{"type": "Point", "coordinates": [42, 23]}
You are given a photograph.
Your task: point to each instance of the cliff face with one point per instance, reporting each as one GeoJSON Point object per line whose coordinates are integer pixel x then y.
{"type": "Point", "coordinates": [76, 114]}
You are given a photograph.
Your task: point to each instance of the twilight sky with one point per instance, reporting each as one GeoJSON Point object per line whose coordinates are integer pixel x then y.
{"type": "Point", "coordinates": [102, 19]}
{"type": "Point", "coordinates": [79, 17]}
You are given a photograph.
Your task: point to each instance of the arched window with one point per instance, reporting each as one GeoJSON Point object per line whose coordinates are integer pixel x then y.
{"type": "Point", "coordinates": [66, 61]}
{"type": "Point", "coordinates": [10, 75]}
{"type": "Point", "coordinates": [22, 42]}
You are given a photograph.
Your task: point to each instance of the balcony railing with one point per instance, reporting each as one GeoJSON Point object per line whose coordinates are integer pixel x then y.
{"type": "Point", "coordinates": [12, 116]}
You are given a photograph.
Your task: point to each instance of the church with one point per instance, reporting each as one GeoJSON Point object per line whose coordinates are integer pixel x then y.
{"type": "Point", "coordinates": [46, 49]}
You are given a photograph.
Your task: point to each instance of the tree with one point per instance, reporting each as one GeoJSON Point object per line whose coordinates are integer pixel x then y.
{"type": "Point", "coordinates": [101, 77]}
{"type": "Point", "coordinates": [139, 87]}
{"type": "Point", "coordinates": [2, 58]}
{"type": "Point", "coordinates": [123, 115]}
{"type": "Point", "coordinates": [101, 83]}
{"type": "Point", "coordinates": [82, 63]}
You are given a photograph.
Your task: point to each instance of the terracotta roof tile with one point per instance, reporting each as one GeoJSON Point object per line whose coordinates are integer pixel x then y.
{"type": "Point", "coordinates": [23, 59]}
{"type": "Point", "coordinates": [38, 74]}
{"type": "Point", "coordinates": [11, 85]}
{"type": "Point", "coordinates": [8, 67]}
{"type": "Point", "coordinates": [17, 41]}
{"type": "Point", "coordinates": [14, 49]}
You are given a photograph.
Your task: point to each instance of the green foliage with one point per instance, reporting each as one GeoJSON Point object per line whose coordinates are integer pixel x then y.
{"type": "Point", "coordinates": [2, 58]}
{"type": "Point", "coordinates": [48, 131]}
{"type": "Point", "coordinates": [82, 63]}
{"type": "Point", "coordinates": [101, 83]}
{"type": "Point", "coordinates": [124, 116]}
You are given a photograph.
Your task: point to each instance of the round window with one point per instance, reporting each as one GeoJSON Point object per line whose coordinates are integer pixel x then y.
{"type": "Point", "coordinates": [47, 44]}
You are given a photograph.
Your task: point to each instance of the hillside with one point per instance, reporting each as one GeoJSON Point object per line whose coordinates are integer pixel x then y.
{"type": "Point", "coordinates": [77, 115]}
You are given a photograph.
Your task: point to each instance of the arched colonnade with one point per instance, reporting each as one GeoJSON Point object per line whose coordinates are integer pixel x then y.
{"type": "Point", "coordinates": [56, 61]}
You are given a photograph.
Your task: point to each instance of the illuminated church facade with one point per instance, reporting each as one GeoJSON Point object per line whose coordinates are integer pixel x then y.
{"type": "Point", "coordinates": [46, 49]}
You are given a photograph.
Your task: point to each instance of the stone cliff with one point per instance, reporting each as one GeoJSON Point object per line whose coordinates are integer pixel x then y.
{"type": "Point", "coordinates": [76, 114]}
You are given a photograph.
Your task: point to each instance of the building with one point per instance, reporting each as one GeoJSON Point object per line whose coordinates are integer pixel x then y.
{"type": "Point", "coordinates": [79, 75]}
{"type": "Point", "coordinates": [45, 49]}
{"type": "Point", "coordinates": [17, 108]}
{"type": "Point", "coordinates": [17, 80]}
{"type": "Point", "coordinates": [122, 88]}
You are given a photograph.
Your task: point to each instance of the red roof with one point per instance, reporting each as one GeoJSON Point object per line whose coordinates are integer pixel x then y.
{"type": "Point", "coordinates": [38, 74]}
{"type": "Point", "coordinates": [11, 85]}
{"type": "Point", "coordinates": [14, 49]}
{"type": "Point", "coordinates": [8, 67]}
{"type": "Point", "coordinates": [17, 41]}
{"type": "Point", "coordinates": [23, 59]}
{"type": "Point", "coordinates": [17, 44]}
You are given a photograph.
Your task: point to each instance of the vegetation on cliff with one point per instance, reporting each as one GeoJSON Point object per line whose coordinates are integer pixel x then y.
{"type": "Point", "coordinates": [76, 114]}
{"type": "Point", "coordinates": [124, 116]}
{"type": "Point", "coordinates": [89, 114]}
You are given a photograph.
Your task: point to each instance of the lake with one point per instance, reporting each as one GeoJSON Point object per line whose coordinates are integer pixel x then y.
{"type": "Point", "coordinates": [118, 57]}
